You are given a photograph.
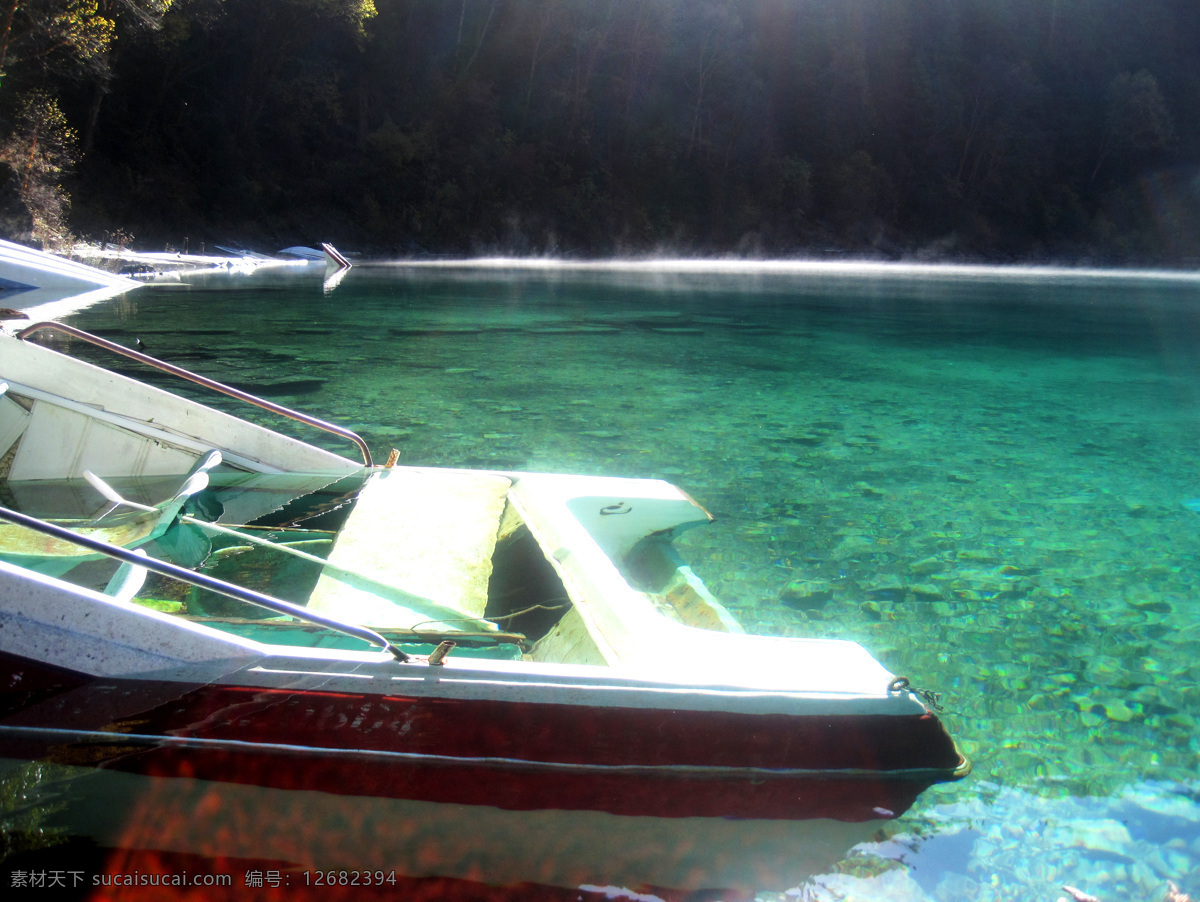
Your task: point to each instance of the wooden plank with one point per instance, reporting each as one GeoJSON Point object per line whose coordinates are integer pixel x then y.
{"type": "Point", "coordinates": [429, 532]}
{"type": "Point", "coordinates": [569, 642]}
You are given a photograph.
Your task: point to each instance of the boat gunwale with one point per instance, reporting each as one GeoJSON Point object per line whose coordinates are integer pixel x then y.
{"type": "Point", "coordinates": [211, 384]}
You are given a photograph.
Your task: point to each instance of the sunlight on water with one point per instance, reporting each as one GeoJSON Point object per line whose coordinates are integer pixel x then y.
{"type": "Point", "coordinates": [986, 476]}
{"type": "Point", "coordinates": [33, 304]}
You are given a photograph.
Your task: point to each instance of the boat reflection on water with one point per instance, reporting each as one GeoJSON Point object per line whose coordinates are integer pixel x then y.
{"type": "Point", "coordinates": [110, 834]}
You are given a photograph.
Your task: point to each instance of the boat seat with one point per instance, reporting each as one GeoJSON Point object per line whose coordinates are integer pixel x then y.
{"type": "Point", "coordinates": [429, 532]}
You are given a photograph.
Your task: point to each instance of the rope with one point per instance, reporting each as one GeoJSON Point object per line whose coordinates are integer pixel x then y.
{"type": "Point", "coordinates": [928, 696]}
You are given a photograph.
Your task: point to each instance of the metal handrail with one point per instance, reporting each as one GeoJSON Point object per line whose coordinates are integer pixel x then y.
{"type": "Point", "coordinates": [211, 384]}
{"type": "Point", "coordinates": [204, 581]}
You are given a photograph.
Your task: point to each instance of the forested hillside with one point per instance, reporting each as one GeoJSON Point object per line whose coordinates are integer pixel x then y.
{"type": "Point", "coordinates": [960, 129]}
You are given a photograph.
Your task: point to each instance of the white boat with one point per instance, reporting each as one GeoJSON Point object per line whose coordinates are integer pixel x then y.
{"type": "Point", "coordinates": [29, 278]}
{"type": "Point", "coordinates": [510, 642]}
{"type": "Point", "coordinates": [26, 269]}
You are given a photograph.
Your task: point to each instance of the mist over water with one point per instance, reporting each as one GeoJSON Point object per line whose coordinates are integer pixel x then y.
{"type": "Point", "coordinates": [796, 267]}
{"type": "Point", "coordinates": [985, 476]}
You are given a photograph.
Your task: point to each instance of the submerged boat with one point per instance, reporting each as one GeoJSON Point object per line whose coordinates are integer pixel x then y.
{"type": "Point", "coordinates": [295, 630]}
{"type": "Point", "coordinates": [29, 278]}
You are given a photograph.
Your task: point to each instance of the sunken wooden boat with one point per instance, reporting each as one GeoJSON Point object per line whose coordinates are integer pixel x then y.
{"type": "Point", "coordinates": [299, 628]}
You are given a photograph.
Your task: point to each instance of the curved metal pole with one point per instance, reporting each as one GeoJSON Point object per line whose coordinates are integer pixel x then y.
{"type": "Point", "coordinates": [99, 342]}
{"type": "Point", "coordinates": [204, 581]}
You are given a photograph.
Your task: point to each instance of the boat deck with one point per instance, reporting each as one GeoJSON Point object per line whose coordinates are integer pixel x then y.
{"type": "Point", "coordinates": [430, 533]}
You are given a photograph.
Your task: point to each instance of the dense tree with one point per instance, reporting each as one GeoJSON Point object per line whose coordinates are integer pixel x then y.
{"type": "Point", "coordinates": [40, 147]}
{"type": "Point", "coordinates": [1138, 123]}
{"type": "Point", "coordinates": [45, 31]}
{"type": "Point", "coordinates": [44, 43]}
{"type": "Point", "coordinates": [628, 126]}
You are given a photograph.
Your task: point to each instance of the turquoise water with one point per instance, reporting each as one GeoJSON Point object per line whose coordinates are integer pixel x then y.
{"type": "Point", "coordinates": [987, 478]}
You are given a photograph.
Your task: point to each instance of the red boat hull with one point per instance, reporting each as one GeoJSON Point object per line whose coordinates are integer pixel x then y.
{"type": "Point", "coordinates": [510, 754]}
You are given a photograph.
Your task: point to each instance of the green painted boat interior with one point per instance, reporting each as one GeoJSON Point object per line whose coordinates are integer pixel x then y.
{"type": "Point", "coordinates": [305, 512]}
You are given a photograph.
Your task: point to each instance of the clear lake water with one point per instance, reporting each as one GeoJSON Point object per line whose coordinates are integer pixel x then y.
{"type": "Point", "coordinates": [986, 477]}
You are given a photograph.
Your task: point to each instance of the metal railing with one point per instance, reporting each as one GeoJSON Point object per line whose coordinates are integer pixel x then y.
{"type": "Point", "coordinates": [204, 581]}
{"type": "Point", "coordinates": [203, 381]}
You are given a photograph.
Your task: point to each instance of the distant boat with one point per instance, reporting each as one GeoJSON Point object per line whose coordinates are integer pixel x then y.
{"type": "Point", "coordinates": [334, 257]}
{"type": "Point", "coordinates": [241, 252]}
{"type": "Point", "coordinates": [302, 253]}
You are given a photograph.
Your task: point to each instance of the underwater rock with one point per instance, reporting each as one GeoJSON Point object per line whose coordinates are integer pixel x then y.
{"type": "Point", "coordinates": [1152, 607]}
{"type": "Point", "coordinates": [926, 592]}
{"type": "Point", "coordinates": [888, 587]}
{"type": "Point", "coordinates": [806, 594]}
{"type": "Point", "coordinates": [807, 439]}
{"type": "Point", "coordinates": [895, 885]}
{"type": "Point", "coordinates": [874, 611]}
{"type": "Point", "coordinates": [1104, 835]}
{"type": "Point", "coordinates": [435, 331]}
{"type": "Point", "coordinates": [392, 431]}
{"type": "Point", "coordinates": [853, 544]}
{"type": "Point", "coordinates": [869, 491]}
{"type": "Point", "coordinates": [925, 566]}
{"type": "Point", "coordinates": [1107, 670]}
{"type": "Point", "coordinates": [1116, 709]}
{"type": "Point", "coordinates": [570, 329]}
{"type": "Point", "coordinates": [275, 389]}
{"type": "Point", "coordinates": [977, 555]}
